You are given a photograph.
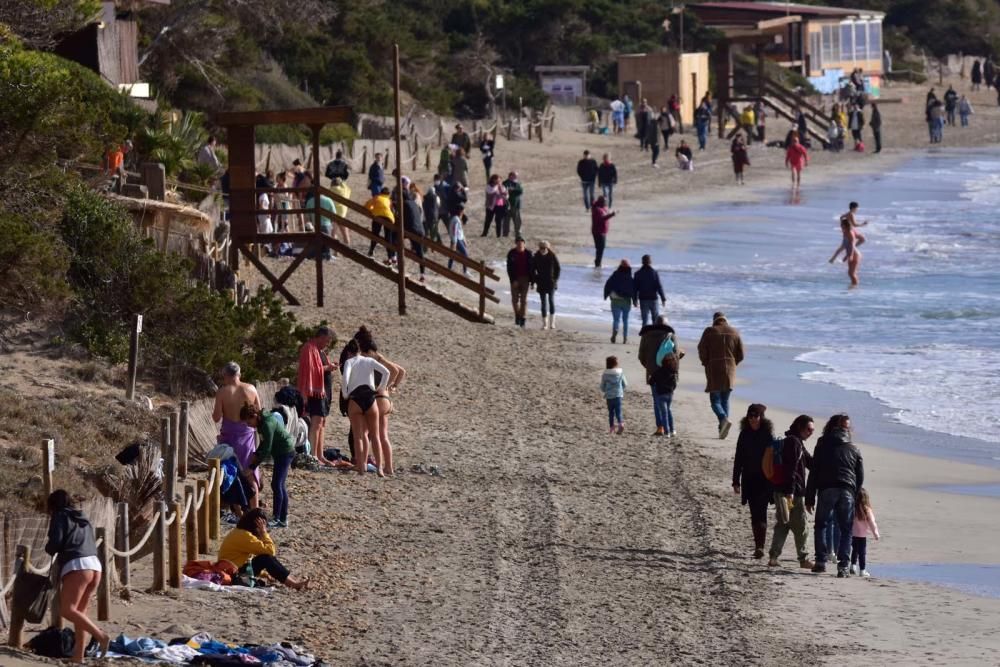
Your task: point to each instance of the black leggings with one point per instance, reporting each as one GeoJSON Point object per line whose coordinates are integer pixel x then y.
{"type": "Point", "coordinates": [547, 296]}
{"type": "Point", "coordinates": [859, 551]}
{"type": "Point", "coordinates": [758, 506]}
{"type": "Point", "coordinates": [271, 565]}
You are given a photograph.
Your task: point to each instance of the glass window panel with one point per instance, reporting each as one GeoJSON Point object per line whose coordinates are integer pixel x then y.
{"type": "Point", "coordinates": [846, 42]}
{"type": "Point", "coordinates": [875, 41]}
{"type": "Point", "coordinates": [860, 41]}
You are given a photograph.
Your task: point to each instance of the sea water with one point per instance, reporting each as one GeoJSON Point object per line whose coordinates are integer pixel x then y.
{"type": "Point", "coordinates": [919, 336]}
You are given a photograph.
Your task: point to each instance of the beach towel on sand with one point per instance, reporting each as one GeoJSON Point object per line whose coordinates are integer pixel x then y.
{"type": "Point", "coordinates": [242, 439]}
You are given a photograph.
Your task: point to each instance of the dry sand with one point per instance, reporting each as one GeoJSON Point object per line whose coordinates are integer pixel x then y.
{"type": "Point", "coordinates": [546, 541]}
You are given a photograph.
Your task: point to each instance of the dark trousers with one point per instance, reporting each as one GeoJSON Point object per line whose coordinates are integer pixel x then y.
{"type": "Point", "coordinates": [859, 551]}
{"type": "Point", "coordinates": [491, 213]}
{"type": "Point", "coordinates": [271, 565]}
{"type": "Point", "coordinates": [389, 236]}
{"type": "Point", "coordinates": [599, 241]}
{"type": "Point", "coordinates": [656, 152]}
{"type": "Point", "coordinates": [418, 250]}
{"type": "Point", "coordinates": [666, 139]}
{"type": "Point", "coordinates": [758, 516]}
{"type": "Point", "coordinates": [547, 296]}
{"type": "Point", "coordinates": [279, 474]}
{"type": "Point", "coordinates": [878, 140]}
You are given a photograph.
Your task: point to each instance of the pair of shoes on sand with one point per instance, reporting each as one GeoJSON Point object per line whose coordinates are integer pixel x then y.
{"type": "Point", "coordinates": [724, 427]}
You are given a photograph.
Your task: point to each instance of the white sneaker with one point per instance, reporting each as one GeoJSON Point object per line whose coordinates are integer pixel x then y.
{"type": "Point", "coordinates": [854, 569]}
{"type": "Point", "coordinates": [865, 574]}
{"type": "Point", "coordinates": [673, 434]}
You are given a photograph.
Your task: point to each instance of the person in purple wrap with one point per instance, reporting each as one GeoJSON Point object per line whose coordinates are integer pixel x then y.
{"type": "Point", "coordinates": [229, 400]}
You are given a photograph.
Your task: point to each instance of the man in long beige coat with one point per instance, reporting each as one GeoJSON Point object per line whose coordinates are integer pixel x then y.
{"type": "Point", "coordinates": [720, 350]}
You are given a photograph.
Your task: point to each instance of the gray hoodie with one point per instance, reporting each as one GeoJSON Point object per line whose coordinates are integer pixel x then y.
{"type": "Point", "coordinates": [70, 536]}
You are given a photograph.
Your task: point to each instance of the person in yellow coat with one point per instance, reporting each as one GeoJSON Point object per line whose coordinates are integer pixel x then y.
{"type": "Point", "coordinates": [250, 542]}
{"type": "Point", "coordinates": [339, 187]}
{"type": "Point", "coordinates": [380, 206]}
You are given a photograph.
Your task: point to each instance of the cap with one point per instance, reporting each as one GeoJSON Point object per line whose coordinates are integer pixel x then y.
{"type": "Point", "coordinates": [519, 239]}
{"type": "Point", "coordinates": [756, 409]}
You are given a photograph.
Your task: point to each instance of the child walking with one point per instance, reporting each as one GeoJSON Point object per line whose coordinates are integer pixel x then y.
{"type": "Point", "coordinates": [864, 522]}
{"type": "Point", "coordinates": [613, 385]}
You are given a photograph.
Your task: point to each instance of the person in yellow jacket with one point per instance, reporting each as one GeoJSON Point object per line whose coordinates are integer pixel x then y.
{"type": "Point", "coordinates": [339, 187]}
{"type": "Point", "coordinates": [250, 542]}
{"type": "Point", "coordinates": [381, 207]}
{"type": "Point", "coordinates": [748, 120]}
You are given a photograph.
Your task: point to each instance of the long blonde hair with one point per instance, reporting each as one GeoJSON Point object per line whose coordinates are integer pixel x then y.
{"type": "Point", "coordinates": [862, 505]}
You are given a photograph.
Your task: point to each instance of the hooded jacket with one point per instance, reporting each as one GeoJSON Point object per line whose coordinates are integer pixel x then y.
{"type": "Point", "coordinates": [796, 459]}
{"type": "Point", "coordinates": [836, 464]}
{"type": "Point", "coordinates": [613, 383]}
{"type": "Point", "coordinates": [721, 351]}
{"type": "Point", "coordinates": [70, 536]}
{"type": "Point", "coordinates": [650, 337]}
{"type": "Point", "coordinates": [620, 283]}
{"type": "Point", "coordinates": [748, 473]}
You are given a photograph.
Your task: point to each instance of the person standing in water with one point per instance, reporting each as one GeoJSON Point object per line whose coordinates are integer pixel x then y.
{"type": "Point", "coordinates": [796, 159]}
{"type": "Point", "coordinates": [848, 223]}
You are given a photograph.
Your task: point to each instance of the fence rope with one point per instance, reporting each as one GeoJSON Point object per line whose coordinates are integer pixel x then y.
{"type": "Point", "coordinates": [211, 479]}
{"type": "Point", "coordinates": [200, 499]}
{"type": "Point", "coordinates": [28, 567]}
{"type": "Point", "coordinates": [142, 542]}
{"type": "Point", "coordinates": [173, 517]}
{"type": "Point", "coordinates": [187, 508]}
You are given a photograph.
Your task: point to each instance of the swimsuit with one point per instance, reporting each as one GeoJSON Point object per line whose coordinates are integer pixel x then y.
{"type": "Point", "coordinates": [364, 397]}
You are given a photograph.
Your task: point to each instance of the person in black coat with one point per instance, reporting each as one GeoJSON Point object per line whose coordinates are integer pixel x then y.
{"type": "Point", "coordinates": [545, 275]}
{"type": "Point", "coordinates": [790, 489]}
{"type": "Point", "coordinates": [413, 223]}
{"type": "Point", "coordinates": [756, 435]}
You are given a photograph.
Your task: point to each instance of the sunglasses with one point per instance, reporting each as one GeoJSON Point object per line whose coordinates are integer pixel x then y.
{"type": "Point", "coordinates": [754, 415]}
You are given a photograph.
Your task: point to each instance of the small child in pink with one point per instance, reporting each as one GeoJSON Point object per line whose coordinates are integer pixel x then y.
{"type": "Point", "coordinates": [864, 522]}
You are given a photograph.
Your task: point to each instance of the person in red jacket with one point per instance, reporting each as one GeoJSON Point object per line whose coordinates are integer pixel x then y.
{"type": "Point", "coordinates": [600, 219]}
{"type": "Point", "coordinates": [796, 158]}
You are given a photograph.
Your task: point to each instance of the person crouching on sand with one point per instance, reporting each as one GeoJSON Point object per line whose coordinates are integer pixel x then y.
{"type": "Point", "coordinates": [71, 541]}
{"type": "Point", "coordinates": [756, 435]}
{"type": "Point", "coordinates": [613, 385]}
{"type": "Point", "coordinates": [249, 542]}
{"type": "Point", "coordinates": [277, 443]}
{"type": "Point", "coordinates": [796, 159]}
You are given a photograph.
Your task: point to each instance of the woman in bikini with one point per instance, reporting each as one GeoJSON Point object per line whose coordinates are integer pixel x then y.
{"type": "Point", "coordinates": [383, 449]}
{"type": "Point", "coordinates": [360, 388]}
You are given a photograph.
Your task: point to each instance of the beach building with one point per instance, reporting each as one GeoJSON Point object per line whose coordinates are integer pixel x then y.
{"type": "Point", "coordinates": [657, 76]}
{"type": "Point", "coordinates": [565, 84]}
{"type": "Point", "coordinates": [824, 44]}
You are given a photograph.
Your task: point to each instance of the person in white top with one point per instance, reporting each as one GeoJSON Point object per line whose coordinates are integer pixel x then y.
{"type": "Point", "coordinates": [383, 398]}
{"type": "Point", "coordinates": [264, 225]}
{"type": "Point", "coordinates": [359, 388]}
{"type": "Point", "coordinates": [457, 235]}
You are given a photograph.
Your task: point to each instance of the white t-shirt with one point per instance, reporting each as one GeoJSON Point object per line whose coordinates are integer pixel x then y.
{"type": "Point", "coordinates": [617, 106]}
{"type": "Point", "coordinates": [360, 371]}
{"type": "Point", "coordinates": [455, 230]}
{"type": "Point", "coordinates": [264, 225]}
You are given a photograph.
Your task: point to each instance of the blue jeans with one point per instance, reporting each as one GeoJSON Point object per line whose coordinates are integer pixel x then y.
{"type": "Point", "coordinates": [965, 119]}
{"type": "Point", "coordinates": [720, 403]}
{"type": "Point", "coordinates": [835, 505]}
{"type": "Point", "coordinates": [608, 190]}
{"type": "Point", "coordinates": [279, 473]}
{"type": "Point", "coordinates": [588, 193]}
{"type": "Point", "coordinates": [702, 135]}
{"type": "Point", "coordinates": [614, 411]}
{"type": "Point", "coordinates": [461, 250]}
{"type": "Point", "coordinates": [620, 313]}
{"type": "Point", "coordinates": [650, 309]}
{"type": "Point", "coordinates": [661, 410]}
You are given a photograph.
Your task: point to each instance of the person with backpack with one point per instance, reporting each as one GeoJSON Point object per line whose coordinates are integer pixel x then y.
{"type": "Point", "coordinates": [664, 383]}
{"type": "Point", "coordinates": [790, 460]}
{"type": "Point", "coordinates": [749, 482]}
{"type": "Point", "coordinates": [652, 338]}
{"type": "Point", "coordinates": [338, 168]}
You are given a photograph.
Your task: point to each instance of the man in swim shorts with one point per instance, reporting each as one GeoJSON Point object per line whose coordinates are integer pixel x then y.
{"type": "Point", "coordinates": [315, 383]}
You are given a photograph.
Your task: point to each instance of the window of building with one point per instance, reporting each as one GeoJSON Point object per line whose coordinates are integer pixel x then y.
{"type": "Point", "coordinates": [860, 41]}
{"type": "Point", "coordinates": [831, 44]}
{"type": "Point", "coordinates": [846, 42]}
{"type": "Point", "coordinates": [875, 40]}
{"type": "Point", "coordinates": [815, 51]}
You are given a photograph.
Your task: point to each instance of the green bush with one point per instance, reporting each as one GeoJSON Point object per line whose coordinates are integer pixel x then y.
{"type": "Point", "coordinates": [33, 267]}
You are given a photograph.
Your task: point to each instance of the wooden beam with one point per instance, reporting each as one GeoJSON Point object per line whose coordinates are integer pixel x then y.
{"type": "Point", "coordinates": [778, 22]}
{"type": "Point", "coordinates": [314, 116]}
{"type": "Point", "coordinates": [270, 276]}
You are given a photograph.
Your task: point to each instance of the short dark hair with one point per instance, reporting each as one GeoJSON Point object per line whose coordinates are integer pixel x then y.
{"type": "Point", "coordinates": [248, 521]}
{"type": "Point", "coordinates": [611, 362]}
{"type": "Point", "coordinates": [853, 205]}
{"type": "Point", "coordinates": [646, 260]}
{"type": "Point", "coordinates": [324, 331]}
{"type": "Point", "coordinates": [58, 501]}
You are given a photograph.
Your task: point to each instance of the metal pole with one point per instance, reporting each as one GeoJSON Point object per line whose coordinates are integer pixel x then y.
{"type": "Point", "coordinates": [400, 240]}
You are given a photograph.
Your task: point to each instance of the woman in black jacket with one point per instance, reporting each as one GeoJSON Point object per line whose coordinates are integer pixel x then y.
{"type": "Point", "coordinates": [756, 435]}
{"type": "Point", "coordinates": [71, 541]}
{"type": "Point", "coordinates": [545, 275]}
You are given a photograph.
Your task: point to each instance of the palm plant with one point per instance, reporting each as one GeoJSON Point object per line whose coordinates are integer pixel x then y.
{"type": "Point", "coordinates": [174, 143]}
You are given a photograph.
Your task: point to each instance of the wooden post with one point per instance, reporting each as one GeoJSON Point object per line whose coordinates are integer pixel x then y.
{"type": "Point", "coordinates": [182, 444]}
{"type": "Point", "coordinates": [48, 464]}
{"type": "Point", "coordinates": [55, 617]}
{"type": "Point", "coordinates": [133, 357]}
{"type": "Point", "coordinates": [364, 160]}
{"type": "Point", "coordinates": [122, 543]}
{"type": "Point", "coordinates": [401, 235]}
{"type": "Point", "coordinates": [416, 151]}
{"type": "Point", "coordinates": [482, 289]}
{"type": "Point", "coordinates": [202, 487]}
{"type": "Point", "coordinates": [529, 129]}
{"type": "Point", "coordinates": [15, 636]}
{"type": "Point", "coordinates": [191, 525]}
{"type": "Point", "coordinates": [159, 545]}
{"type": "Point", "coordinates": [440, 133]}
{"type": "Point", "coordinates": [510, 129]}
{"type": "Point", "coordinates": [317, 216]}
{"type": "Point", "coordinates": [541, 124]}
{"type": "Point", "coordinates": [214, 501]}
{"type": "Point", "coordinates": [174, 545]}
{"type": "Point", "coordinates": [427, 155]}
{"type": "Point", "coordinates": [170, 459]}
{"type": "Point", "coordinates": [104, 588]}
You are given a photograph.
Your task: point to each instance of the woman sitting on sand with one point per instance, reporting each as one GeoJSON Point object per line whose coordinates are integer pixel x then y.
{"type": "Point", "coordinates": [71, 541]}
{"type": "Point", "coordinates": [360, 389]}
{"type": "Point", "coordinates": [756, 435]}
{"type": "Point", "coordinates": [250, 542]}
{"type": "Point", "coordinates": [383, 448]}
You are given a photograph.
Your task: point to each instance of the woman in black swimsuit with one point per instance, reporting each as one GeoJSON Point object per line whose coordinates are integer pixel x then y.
{"type": "Point", "coordinates": [359, 388]}
{"type": "Point", "coordinates": [368, 347]}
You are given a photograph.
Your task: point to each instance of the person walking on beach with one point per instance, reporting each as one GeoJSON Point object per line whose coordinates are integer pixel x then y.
{"type": "Point", "coordinates": [607, 177]}
{"type": "Point", "coordinates": [790, 492]}
{"type": "Point", "coordinates": [796, 159]}
{"type": "Point", "coordinates": [976, 76]}
{"type": "Point", "coordinates": [837, 476]}
{"type": "Point", "coordinates": [749, 482]}
{"type": "Point", "coordinates": [71, 541]}
{"type": "Point", "coordinates": [519, 272]}
{"type": "Point", "coordinates": [315, 384]}
{"type": "Point", "coordinates": [965, 110]}
{"type": "Point", "coordinates": [951, 104]}
{"type": "Point", "coordinates": [613, 385]}
{"type": "Point", "coordinates": [864, 523]}
{"type": "Point", "coordinates": [457, 235]}
{"type": "Point", "coordinates": [460, 168]}
{"type": "Point", "coordinates": [380, 206]}
{"type": "Point", "coordinates": [652, 339]}
{"type": "Point", "coordinates": [545, 275]}
{"type": "Point", "coordinates": [515, 192]}
{"type": "Point", "coordinates": [720, 351]}
{"type": "Point", "coordinates": [741, 159]}
{"type": "Point", "coordinates": [748, 121]}
{"type": "Point", "coordinates": [487, 147]}
{"type": "Point", "coordinates": [620, 288]}
{"type": "Point", "coordinates": [586, 169]}
{"type": "Point", "coordinates": [496, 206]}
{"type": "Point", "coordinates": [875, 123]}
{"type": "Point", "coordinates": [376, 176]}
{"type": "Point", "coordinates": [229, 400]}
{"type": "Point", "coordinates": [653, 139]}
{"type": "Point", "coordinates": [666, 123]}
{"type": "Point", "coordinates": [856, 122]}
{"type": "Point", "coordinates": [432, 210]}
{"type": "Point", "coordinates": [460, 138]}
{"type": "Point", "coordinates": [989, 72]}
{"type": "Point", "coordinates": [627, 101]}
{"type": "Point", "coordinates": [702, 122]}
{"type": "Point", "coordinates": [338, 167]}
{"type": "Point", "coordinates": [600, 224]}
{"type": "Point", "coordinates": [647, 288]}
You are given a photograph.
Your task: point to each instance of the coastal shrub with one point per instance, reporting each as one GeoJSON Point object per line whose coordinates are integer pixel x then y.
{"type": "Point", "coordinates": [33, 267]}
{"type": "Point", "coordinates": [189, 331]}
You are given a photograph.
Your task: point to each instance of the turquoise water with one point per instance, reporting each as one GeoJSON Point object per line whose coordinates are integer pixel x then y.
{"type": "Point", "coordinates": [920, 336]}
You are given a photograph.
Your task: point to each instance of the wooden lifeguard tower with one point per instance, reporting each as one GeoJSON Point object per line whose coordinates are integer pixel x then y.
{"type": "Point", "coordinates": [244, 232]}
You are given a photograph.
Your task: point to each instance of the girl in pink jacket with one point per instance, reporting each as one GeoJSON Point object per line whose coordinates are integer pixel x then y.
{"type": "Point", "coordinates": [864, 523]}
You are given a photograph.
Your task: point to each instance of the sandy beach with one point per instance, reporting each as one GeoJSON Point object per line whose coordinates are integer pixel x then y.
{"type": "Point", "coordinates": [545, 541]}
